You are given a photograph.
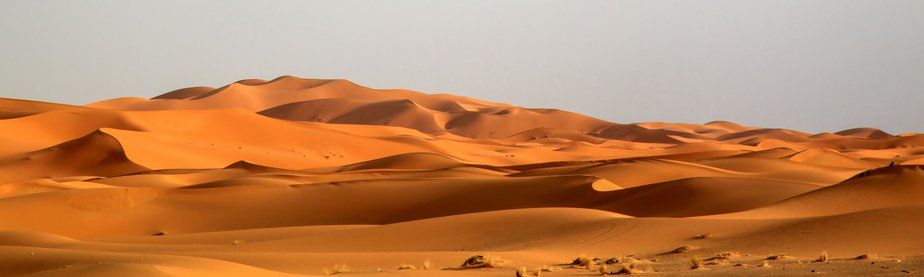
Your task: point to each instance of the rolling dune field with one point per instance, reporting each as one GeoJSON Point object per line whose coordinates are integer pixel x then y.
{"type": "Point", "coordinates": [296, 176]}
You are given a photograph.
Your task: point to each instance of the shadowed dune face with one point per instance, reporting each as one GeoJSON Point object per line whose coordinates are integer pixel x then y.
{"type": "Point", "coordinates": [293, 175]}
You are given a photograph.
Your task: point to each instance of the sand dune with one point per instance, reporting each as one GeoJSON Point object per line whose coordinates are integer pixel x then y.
{"type": "Point", "coordinates": [186, 93]}
{"type": "Point", "coordinates": [293, 176]}
{"type": "Point", "coordinates": [887, 187]}
{"type": "Point", "coordinates": [13, 108]}
{"type": "Point", "coordinates": [95, 154]}
{"type": "Point", "coordinates": [700, 196]}
{"type": "Point", "coordinates": [826, 157]}
{"type": "Point", "coordinates": [870, 133]}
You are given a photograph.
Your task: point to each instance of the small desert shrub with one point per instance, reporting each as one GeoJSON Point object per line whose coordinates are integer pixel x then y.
{"type": "Point", "coordinates": [521, 272]}
{"type": "Point", "coordinates": [549, 268]}
{"type": "Point", "coordinates": [582, 261]}
{"type": "Point", "coordinates": [406, 266]}
{"type": "Point", "coordinates": [336, 269]}
{"type": "Point", "coordinates": [696, 263]}
{"type": "Point", "coordinates": [681, 249]}
{"type": "Point", "coordinates": [478, 261]}
{"type": "Point", "coordinates": [629, 268]}
{"type": "Point", "coordinates": [823, 258]}
{"type": "Point", "coordinates": [722, 258]}
{"type": "Point", "coordinates": [727, 255]}
{"type": "Point", "coordinates": [717, 262]}
{"type": "Point", "coordinates": [778, 257]}
{"type": "Point", "coordinates": [620, 260]}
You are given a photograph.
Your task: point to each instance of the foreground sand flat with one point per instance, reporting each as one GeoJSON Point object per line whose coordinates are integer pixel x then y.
{"type": "Point", "coordinates": [301, 177]}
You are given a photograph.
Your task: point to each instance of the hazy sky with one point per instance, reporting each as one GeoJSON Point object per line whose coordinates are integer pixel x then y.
{"type": "Point", "coordinates": [807, 65]}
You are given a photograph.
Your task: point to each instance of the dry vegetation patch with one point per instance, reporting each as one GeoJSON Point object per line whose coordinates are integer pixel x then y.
{"type": "Point", "coordinates": [764, 264]}
{"type": "Point", "coordinates": [549, 268]}
{"type": "Point", "coordinates": [478, 261]}
{"type": "Point", "coordinates": [823, 258]}
{"type": "Point", "coordinates": [680, 250]}
{"type": "Point", "coordinates": [779, 257]}
{"type": "Point", "coordinates": [584, 262]}
{"type": "Point", "coordinates": [336, 269]}
{"type": "Point", "coordinates": [722, 258]}
{"type": "Point", "coordinates": [697, 263]}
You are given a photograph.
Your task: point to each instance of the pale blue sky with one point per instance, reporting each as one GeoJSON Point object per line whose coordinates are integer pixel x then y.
{"type": "Point", "coordinates": [807, 65]}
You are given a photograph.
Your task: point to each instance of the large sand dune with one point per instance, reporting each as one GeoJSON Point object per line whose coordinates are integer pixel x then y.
{"type": "Point", "coordinates": [300, 176]}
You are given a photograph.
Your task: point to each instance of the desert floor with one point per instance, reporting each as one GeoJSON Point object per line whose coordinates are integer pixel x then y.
{"type": "Point", "coordinates": [312, 177]}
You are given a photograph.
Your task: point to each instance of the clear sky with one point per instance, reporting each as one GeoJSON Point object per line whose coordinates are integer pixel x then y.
{"type": "Point", "coordinates": [807, 65]}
